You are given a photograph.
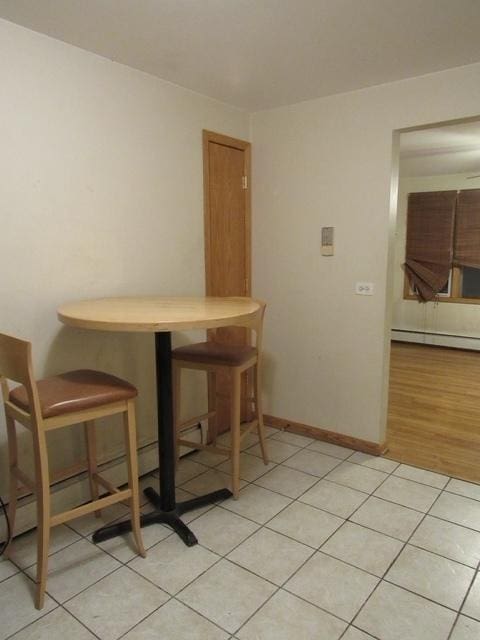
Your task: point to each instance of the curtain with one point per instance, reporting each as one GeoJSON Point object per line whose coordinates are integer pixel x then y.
{"type": "Point", "coordinates": [429, 252]}
{"type": "Point", "coordinates": [467, 229]}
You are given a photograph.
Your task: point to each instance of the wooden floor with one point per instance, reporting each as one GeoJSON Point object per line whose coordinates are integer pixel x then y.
{"type": "Point", "coordinates": [434, 409]}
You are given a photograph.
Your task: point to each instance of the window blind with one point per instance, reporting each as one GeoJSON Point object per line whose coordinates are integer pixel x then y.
{"type": "Point", "coordinates": [430, 232]}
{"type": "Point", "coordinates": [467, 229]}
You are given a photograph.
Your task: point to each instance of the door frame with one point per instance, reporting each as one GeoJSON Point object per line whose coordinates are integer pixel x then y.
{"type": "Point", "coordinates": [211, 136]}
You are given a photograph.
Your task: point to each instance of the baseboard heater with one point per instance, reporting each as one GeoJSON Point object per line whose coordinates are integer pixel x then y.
{"type": "Point", "coordinates": [76, 490]}
{"type": "Point", "coordinates": [436, 339]}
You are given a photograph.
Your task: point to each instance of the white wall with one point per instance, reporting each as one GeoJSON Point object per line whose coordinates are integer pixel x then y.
{"type": "Point", "coordinates": [328, 162]}
{"type": "Point", "coordinates": [101, 194]}
{"type": "Point", "coordinates": [453, 319]}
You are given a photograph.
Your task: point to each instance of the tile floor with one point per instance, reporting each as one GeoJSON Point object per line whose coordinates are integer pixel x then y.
{"type": "Point", "coordinates": [324, 544]}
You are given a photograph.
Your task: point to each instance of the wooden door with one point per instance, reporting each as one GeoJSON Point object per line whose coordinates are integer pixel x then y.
{"type": "Point", "coordinates": [226, 165]}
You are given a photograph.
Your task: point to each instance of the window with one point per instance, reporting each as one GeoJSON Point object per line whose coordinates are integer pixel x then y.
{"type": "Point", "coordinates": [442, 260]}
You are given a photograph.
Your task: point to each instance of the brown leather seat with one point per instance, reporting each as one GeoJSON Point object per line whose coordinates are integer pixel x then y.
{"type": "Point", "coordinates": [215, 353]}
{"type": "Point", "coordinates": [75, 391]}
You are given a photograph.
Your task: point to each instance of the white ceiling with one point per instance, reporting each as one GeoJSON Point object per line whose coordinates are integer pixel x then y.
{"type": "Point", "coordinates": [441, 150]}
{"type": "Point", "coordinates": [257, 54]}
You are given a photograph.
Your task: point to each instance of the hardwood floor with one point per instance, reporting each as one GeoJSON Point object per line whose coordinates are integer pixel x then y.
{"type": "Point", "coordinates": [434, 409]}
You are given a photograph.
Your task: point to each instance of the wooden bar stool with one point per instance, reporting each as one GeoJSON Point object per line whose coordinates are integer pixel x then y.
{"type": "Point", "coordinates": [215, 357]}
{"type": "Point", "coordinates": [53, 403]}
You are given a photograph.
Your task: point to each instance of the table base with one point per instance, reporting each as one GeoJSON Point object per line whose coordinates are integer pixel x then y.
{"type": "Point", "coordinates": [170, 518]}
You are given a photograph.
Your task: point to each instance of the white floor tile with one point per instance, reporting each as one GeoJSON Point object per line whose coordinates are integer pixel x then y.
{"type": "Point", "coordinates": [366, 549]}
{"type": "Point", "coordinates": [388, 517]}
{"type": "Point", "coordinates": [472, 604]}
{"type": "Point", "coordinates": [374, 462]}
{"type": "Point", "coordinates": [184, 496]}
{"type": "Point", "coordinates": [408, 493]}
{"type": "Point", "coordinates": [432, 576]}
{"type": "Point", "coordinates": [207, 458]}
{"type": "Point", "coordinates": [334, 498]}
{"type": "Point", "coordinates": [357, 477]}
{"type": "Point", "coordinates": [292, 438]}
{"type": "Point", "coordinates": [75, 568]}
{"type": "Point", "coordinates": [271, 555]}
{"type": "Point", "coordinates": [463, 511]}
{"type": "Point", "coordinates": [188, 469]}
{"type": "Point", "coordinates": [251, 467]}
{"type": "Point", "coordinates": [227, 595]}
{"type": "Point", "coordinates": [171, 565]}
{"type": "Point", "coordinates": [247, 441]}
{"type": "Point", "coordinates": [116, 603]}
{"type": "Point", "coordinates": [288, 482]}
{"type": "Point", "coordinates": [211, 480]}
{"type": "Point", "coordinates": [306, 524]}
{"type": "Point", "coordinates": [392, 613]}
{"type": "Point", "coordinates": [355, 634]}
{"type": "Point", "coordinates": [313, 462]}
{"type": "Point", "coordinates": [90, 523]}
{"type": "Point", "coordinates": [285, 617]}
{"type": "Point", "coordinates": [17, 598]}
{"type": "Point", "coordinates": [257, 504]}
{"type": "Point", "coordinates": [423, 476]}
{"type": "Point", "coordinates": [462, 488]}
{"type": "Point", "coordinates": [123, 547]}
{"type": "Point", "coordinates": [175, 621]}
{"type": "Point", "coordinates": [466, 629]}
{"type": "Point", "coordinates": [54, 626]}
{"type": "Point", "coordinates": [7, 569]}
{"type": "Point", "coordinates": [23, 550]}
{"type": "Point", "coordinates": [220, 530]}
{"type": "Point", "coordinates": [278, 451]}
{"type": "Point", "coordinates": [449, 540]}
{"type": "Point", "coordinates": [332, 585]}
{"type": "Point", "coordinates": [331, 449]}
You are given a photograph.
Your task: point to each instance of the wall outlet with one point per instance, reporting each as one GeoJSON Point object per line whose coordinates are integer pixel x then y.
{"type": "Point", "coordinates": [364, 288]}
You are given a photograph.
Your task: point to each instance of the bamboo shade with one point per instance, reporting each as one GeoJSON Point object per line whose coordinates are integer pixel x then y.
{"type": "Point", "coordinates": [429, 252]}
{"type": "Point", "coordinates": [467, 229]}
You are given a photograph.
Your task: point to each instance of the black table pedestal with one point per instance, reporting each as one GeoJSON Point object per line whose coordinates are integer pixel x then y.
{"type": "Point", "coordinates": [166, 511]}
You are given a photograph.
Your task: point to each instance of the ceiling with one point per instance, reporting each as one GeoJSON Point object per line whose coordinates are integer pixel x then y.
{"type": "Point", "coordinates": [257, 54]}
{"type": "Point", "coordinates": [441, 150]}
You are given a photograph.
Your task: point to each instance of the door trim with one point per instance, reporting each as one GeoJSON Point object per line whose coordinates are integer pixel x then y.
{"type": "Point", "coordinates": [211, 136]}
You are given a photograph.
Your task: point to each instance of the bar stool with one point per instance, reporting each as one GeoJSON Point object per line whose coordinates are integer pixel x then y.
{"type": "Point", "coordinates": [53, 403]}
{"type": "Point", "coordinates": [215, 357]}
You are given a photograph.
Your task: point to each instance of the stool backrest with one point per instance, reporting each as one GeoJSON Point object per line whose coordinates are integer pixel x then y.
{"type": "Point", "coordinates": [16, 365]}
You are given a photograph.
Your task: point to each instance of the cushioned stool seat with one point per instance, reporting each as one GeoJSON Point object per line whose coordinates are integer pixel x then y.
{"type": "Point", "coordinates": [214, 353]}
{"type": "Point", "coordinates": [75, 391]}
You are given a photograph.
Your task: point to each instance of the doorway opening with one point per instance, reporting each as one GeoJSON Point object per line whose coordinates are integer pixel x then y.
{"type": "Point", "coordinates": [434, 386]}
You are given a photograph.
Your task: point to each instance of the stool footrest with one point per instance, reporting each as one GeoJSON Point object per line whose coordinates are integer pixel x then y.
{"type": "Point", "coordinates": [96, 505]}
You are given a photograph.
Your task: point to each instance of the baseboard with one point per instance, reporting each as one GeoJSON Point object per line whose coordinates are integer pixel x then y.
{"type": "Point", "coordinates": [374, 448]}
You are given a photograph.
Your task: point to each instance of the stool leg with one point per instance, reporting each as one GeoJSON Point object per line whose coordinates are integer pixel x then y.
{"type": "Point", "coordinates": [43, 514]}
{"type": "Point", "coordinates": [13, 484]}
{"type": "Point", "coordinates": [132, 467]}
{"type": "Point", "coordinates": [257, 394]}
{"type": "Point", "coordinates": [235, 408]}
{"type": "Point", "coordinates": [92, 461]}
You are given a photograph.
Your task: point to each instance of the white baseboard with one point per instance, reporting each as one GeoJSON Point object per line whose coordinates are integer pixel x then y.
{"type": "Point", "coordinates": [76, 491]}
{"type": "Point", "coordinates": [436, 339]}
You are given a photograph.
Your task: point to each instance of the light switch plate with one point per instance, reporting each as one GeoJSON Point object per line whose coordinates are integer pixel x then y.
{"type": "Point", "coordinates": [364, 288]}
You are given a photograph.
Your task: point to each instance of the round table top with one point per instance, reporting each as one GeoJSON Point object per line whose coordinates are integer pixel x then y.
{"type": "Point", "coordinates": [156, 313]}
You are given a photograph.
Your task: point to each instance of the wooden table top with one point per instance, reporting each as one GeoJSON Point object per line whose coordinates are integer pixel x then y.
{"type": "Point", "coordinates": [156, 313]}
